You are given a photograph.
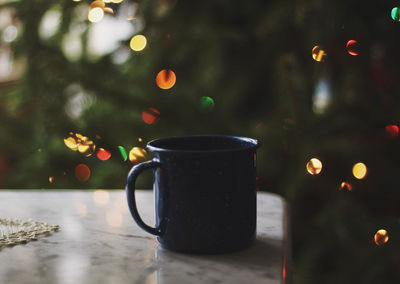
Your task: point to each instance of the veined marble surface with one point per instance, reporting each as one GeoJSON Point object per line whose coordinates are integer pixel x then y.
{"type": "Point", "coordinates": [99, 242]}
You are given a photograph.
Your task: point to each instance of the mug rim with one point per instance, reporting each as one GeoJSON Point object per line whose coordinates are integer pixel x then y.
{"type": "Point", "coordinates": [252, 144]}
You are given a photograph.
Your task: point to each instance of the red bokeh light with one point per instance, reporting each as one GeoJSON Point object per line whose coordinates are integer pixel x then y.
{"type": "Point", "coordinates": [392, 131]}
{"type": "Point", "coordinates": [151, 115]}
{"type": "Point", "coordinates": [82, 172]}
{"type": "Point", "coordinates": [103, 154]}
{"type": "Point", "coordinates": [352, 47]}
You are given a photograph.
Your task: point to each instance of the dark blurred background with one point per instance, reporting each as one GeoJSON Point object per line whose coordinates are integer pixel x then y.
{"type": "Point", "coordinates": [69, 86]}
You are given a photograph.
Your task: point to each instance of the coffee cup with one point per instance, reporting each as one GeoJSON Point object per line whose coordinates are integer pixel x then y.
{"type": "Point", "coordinates": [205, 192]}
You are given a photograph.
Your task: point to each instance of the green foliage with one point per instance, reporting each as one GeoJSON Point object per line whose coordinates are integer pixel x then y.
{"type": "Point", "coordinates": [253, 58]}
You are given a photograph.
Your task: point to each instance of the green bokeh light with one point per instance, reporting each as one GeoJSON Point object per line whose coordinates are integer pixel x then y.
{"type": "Point", "coordinates": [123, 153]}
{"type": "Point", "coordinates": [396, 14]}
{"type": "Point", "coordinates": [206, 103]}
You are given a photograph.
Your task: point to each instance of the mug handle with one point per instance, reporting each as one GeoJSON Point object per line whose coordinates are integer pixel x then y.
{"type": "Point", "coordinates": [130, 194]}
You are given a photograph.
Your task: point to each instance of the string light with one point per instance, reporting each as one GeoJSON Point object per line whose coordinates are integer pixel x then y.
{"type": "Point", "coordinates": [359, 170]}
{"type": "Point", "coordinates": [352, 47]}
{"type": "Point", "coordinates": [138, 42]}
{"type": "Point", "coordinates": [82, 172]}
{"type": "Point", "coordinates": [123, 153]}
{"type": "Point", "coordinates": [137, 155]}
{"type": "Point", "coordinates": [95, 15]}
{"type": "Point", "coordinates": [151, 115]}
{"type": "Point", "coordinates": [318, 54]}
{"type": "Point", "coordinates": [345, 186]}
{"type": "Point", "coordinates": [314, 166]}
{"type": "Point", "coordinates": [381, 237]}
{"type": "Point", "coordinates": [80, 143]}
{"type": "Point", "coordinates": [166, 79]}
{"type": "Point", "coordinates": [103, 154]}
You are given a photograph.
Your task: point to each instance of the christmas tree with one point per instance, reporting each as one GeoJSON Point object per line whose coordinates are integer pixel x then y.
{"type": "Point", "coordinates": [309, 79]}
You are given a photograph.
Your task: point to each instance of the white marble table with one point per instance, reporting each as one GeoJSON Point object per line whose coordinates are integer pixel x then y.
{"type": "Point", "coordinates": [99, 242]}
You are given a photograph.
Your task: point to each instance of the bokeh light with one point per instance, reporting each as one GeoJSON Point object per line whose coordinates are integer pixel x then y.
{"type": "Point", "coordinates": [103, 154]}
{"type": "Point", "coordinates": [166, 79]}
{"type": "Point", "coordinates": [51, 179]}
{"type": "Point", "coordinates": [345, 186]}
{"type": "Point", "coordinates": [314, 166]}
{"type": "Point", "coordinates": [78, 142]}
{"type": "Point", "coordinates": [123, 153]}
{"type": "Point", "coordinates": [392, 131]}
{"type": "Point", "coordinates": [82, 172]}
{"type": "Point", "coordinates": [140, 139]}
{"type": "Point", "coordinates": [137, 155]}
{"type": "Point", "coordinates": [206, 103]}
{"type": "Point", "coordinates": [151, 115]}
{"type": "Point", "coordinates": [86, 147]}
{"type": "Point", "coordinates": [359, 170]}
{"type": "Point", "coordinates": [101, 197]}
{"type": "Point", "coordinates": [97, 4]}
{"type": "Point", "coordinates": [352, 47]}
{"type": "Point", "coordinates": [318, 54]}
{"type": "Point", "coordinates": [381, 237]}
{"type": "Point", "coordinates": [71, 143]}
{"type": "Point", "coordinates": [95, 15]}
{"type": "Point", "coordinates": [108, 10]}
{"type": "Point", "coordinates": [395, 14]}
{"type": "Point", "coordinates": [10, 33]}
{"type": "Point", "coordinates": [138, 42]}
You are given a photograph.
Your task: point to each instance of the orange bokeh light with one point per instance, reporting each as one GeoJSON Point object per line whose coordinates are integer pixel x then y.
{"type": "Point", "coordinates": [314, 166]}
{"type": "Point", "coordinates": [166, 79]}
{"type": "Point", "coordinates": [381, 237]}
{"type": "Point", "coordinates": [318, 54]}
{"type": "Point", "coordinates": [345, 186]}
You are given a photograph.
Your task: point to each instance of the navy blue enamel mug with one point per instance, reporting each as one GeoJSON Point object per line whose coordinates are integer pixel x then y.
{"type": "Point", "coordinates": [205, 192]}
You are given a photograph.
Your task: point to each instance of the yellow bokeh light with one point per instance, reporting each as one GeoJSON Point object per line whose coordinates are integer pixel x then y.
{"type": "Point", "coordinates": [359, 170]}
{"type": "Point", "coordinates": [71, 143]}
{"type": "Point", "coordinates": [87, 148]}
{"type": "Point", "coordinates": [138, 42]}
{"type": "Point", "coordinates": [114, 218]}
{"type": "Point", "coordinates": [140, 139]}
{"type": "Point", "coordinates": [314, 166]}
{"type": "Point", "coordinates": [318, 54]}
{"type": "Point", "coordinates": [381, 237]}
{"type": "Point", "coordinates": [117, 1]}
{"type": "Point", "coordinates": [51, 179]}
{"type": "Point", "coordinates": [101, 197]}
{"type": "Point", "coordinates": [137, 155]}
{"type": "Point", "coordinates": [78, 142]}
{"type": "Point", "coordinates": [95, 15]}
